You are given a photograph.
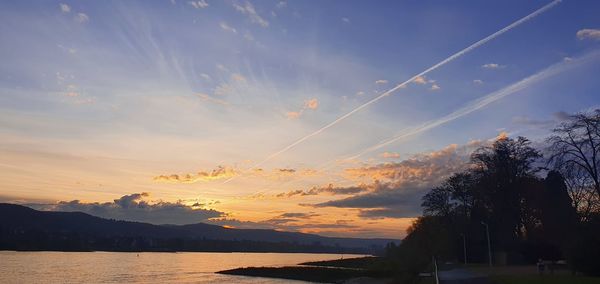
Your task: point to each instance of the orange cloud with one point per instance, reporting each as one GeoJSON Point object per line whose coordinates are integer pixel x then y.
{"type": "Point", "coordinates": [308, 104]}
{"type": "Point", "coordinates": [311, 104]}
{"type": "Point", "coordinates": [421, 169]}
{"type": "Point", "coordinates": [280, 173]}
{"type": "Point", "coordinates": [329, 189]}
{"type": "Point", "coordinates": [502, 136]}
{"type": "Point", "coordinates": [218, 173]}
{"type": "Point", "coordinates": [390, 155]}
{"type": "Point", "coordinates": [293, 114]}
{"type": "Point", "coordinates": [420, 80]}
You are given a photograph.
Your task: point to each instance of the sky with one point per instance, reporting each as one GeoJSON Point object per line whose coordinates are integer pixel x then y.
{"type": "Point", "coordinates": [329, 117]}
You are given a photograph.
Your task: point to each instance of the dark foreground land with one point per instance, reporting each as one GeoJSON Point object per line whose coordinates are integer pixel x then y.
{"type": "Point", "coordinates": [377, 270]}
{"type": "Point", "coordinates": [527, 274]}
{"type": "Point", "coordinates": [306, 273]}
{"type": "Point", "coordinates": [367, 269]}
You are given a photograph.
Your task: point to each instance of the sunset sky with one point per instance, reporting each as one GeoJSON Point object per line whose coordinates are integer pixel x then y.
{"type": "Point", "coordinates": [250, 113]}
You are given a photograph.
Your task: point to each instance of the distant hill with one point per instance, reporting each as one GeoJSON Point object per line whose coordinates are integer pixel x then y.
{"type": "Point", "coordinates": [23, 228]}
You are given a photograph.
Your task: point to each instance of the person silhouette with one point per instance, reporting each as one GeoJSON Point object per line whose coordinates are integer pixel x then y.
{"type": "Point", "coordinates": [540, 266]}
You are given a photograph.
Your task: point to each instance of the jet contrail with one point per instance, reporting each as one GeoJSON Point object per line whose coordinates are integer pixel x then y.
{"type": "Point", "coordinates": [472, 106]}
{"type": "Point", "coordinates": [403, 84]}
{"type": "Point", "coordinates": [488, 99]}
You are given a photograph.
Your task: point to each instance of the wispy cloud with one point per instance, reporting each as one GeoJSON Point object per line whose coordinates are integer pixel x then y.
{"type": "Point", "coordinates": [81, 18]}
{"type": "Point", "coordinates": [381, 82]}
{"type": "Point", "coordinates": [395, 189]}
{"type": "Point", "coordinates": [228, 28]}
{"type": "Point", "coordinates": [311, 104]}
{"type": "Point", "coordinates": [420, 168]}
{"type": "Point", "coordinates": [199, 4]}
{"type": "Point", "coordinates": [329, 189]}
{"type": "Point", "coordinates": [211, 99]}
{"type": "Point", "coordinates": [249, 10]}
{"type": "Point", "coordinates": [492, 66]}
{"type": "Point", "coordinates": [223, 172]}
{"type": "Point", "coordinates": [477, 82]}
{"type": "Point", "coordinates": [281, 4]}
{"type": "Point", "coordinates": [593, 34]}
{"type": "Point", "coordinates": [293, 114]}
{"type": "Point", "coordinates": [420, 80]}
{"type": "Point", "coordinates": [488, 99]}
{"type": "Point", "coordinates": [201, 176]}
{"type": "Point", "coordinates": [281, 173]}
{"type": "Point", "coordinates": [390, 155]}
{"type": "Point", "coordinates": [65, 8]}
{"type": "Point", "coordinates": [286, 221]}
{"type": "Point", "coordinates": [403, 84]}
{"type": "Point", "coordinates": [205, 76]}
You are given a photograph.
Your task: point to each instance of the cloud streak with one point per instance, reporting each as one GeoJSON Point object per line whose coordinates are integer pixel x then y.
{"type": "Point", "coordinates": [593, 34]}
{"type": "Point", "coordinates": [403, 84]}
{"type": "Point", "coordinates": [249, 10]}
{"type": "Point", "coordinates": [329, 189]}
{"type": "Point", "coordinates": [202, 176]}
{"type": "Point", "coordinates": [227, 27]}
{"type": "Point", "coordinates": [488, 99]}
{"type": "Point", "coordinates": [208, 98]}
{"type": "Point", "coordinates": [200, 4]}
{"type": "Point", "coordinates": [396, 188]}
{"type": "Point", "coordinates": [81, 18]}
{"type": "Point", "coordinates": [492, 66]}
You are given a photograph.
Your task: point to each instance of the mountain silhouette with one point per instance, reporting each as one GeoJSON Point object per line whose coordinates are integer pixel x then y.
{"type": "Point", "coordinates": [23, 228]}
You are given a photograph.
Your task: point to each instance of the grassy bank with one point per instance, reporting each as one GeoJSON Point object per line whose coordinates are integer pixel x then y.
{"type": "Point", "coordinates": [546, 279]}
{"type": "Point", "coordinates": [528, 274]}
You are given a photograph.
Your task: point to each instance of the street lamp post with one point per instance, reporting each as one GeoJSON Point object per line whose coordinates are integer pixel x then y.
{"type": "Point", "coordinates": [487, 233]}
{"type": "Point", "coordinates": [464, 247]}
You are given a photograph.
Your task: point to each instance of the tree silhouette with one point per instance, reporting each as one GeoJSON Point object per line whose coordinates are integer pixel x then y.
{"type": "Point", "coordinates": [575, 147]}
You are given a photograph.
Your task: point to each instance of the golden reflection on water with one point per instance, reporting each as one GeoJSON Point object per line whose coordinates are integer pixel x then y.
{"type": "Point", "coordinates": [147, 267]}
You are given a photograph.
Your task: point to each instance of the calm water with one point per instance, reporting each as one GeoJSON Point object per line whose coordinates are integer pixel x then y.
{"type": "Point", "coordinates": [116, 267]}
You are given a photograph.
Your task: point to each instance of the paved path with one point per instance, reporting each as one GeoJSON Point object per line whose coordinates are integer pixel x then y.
{"type": "Point", "coordinates": [463, 276]}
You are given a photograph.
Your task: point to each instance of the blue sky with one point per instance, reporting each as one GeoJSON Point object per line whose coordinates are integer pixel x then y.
{"type": "Point", "coordinates": [98, 98]}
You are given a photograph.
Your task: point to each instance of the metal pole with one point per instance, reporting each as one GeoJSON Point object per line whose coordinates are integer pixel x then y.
{"type": "Point", "coordinates": [464, 247]}
{"type": "Point", "coordinates": [487, 233]}
{"type": "Point", "coordinates": [435, 270]}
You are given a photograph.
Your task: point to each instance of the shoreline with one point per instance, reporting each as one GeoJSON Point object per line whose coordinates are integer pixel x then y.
{"type": "Point", "coordinates": [357, 255]}
{"type": "Point", "coordinates": [328, 271]}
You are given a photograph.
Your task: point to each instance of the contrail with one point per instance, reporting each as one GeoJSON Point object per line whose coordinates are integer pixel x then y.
{"type": "Point", "coordinates": [474, 105]}
{"type": "Point", "coordinates": [488, 99]}
{"type": "Point", "coordinates": [403, 84]}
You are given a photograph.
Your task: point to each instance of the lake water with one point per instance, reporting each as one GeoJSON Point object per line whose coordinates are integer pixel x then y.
{"type": "Point", "coordinates": [147, 267]}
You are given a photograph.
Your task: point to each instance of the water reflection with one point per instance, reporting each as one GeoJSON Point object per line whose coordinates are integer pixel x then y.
{"type": "Point", "coordinates": [115, 267]}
